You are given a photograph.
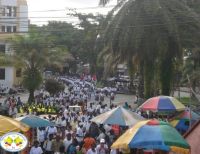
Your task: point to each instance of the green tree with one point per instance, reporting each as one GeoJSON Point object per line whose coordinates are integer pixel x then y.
{"type": "Point", "coordinates": [88, 53]}
{"type": "Point", "coordinates": [35, 53]}
{"type": "Point", "coordinates": [191, 68]}
{"type": "Point", "coordinates": [63, 36]}
{"type": "Point", "coordinates": [154, 33]}
{"type": "Point", "coordinates": [53, 86]}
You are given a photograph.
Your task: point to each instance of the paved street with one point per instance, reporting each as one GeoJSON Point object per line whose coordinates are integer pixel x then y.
{"type": "Point", "coordinates": [119, 99]}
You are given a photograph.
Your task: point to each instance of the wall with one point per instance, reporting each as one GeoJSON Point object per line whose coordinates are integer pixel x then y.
{"type": "Point", "coordinates": [9, 77]}
{"type": "Point", "coordinates": [23, 18]}
{"type": "Point", "coordinates": [194, 140]}
{"type": "Point", "coordinates": [21, 21]}
{"type": "Point", "coordinates": [9, 2]}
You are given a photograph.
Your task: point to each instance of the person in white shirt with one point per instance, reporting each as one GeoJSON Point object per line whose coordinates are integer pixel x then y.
{"type": "Point", "coordinates": [87, 125]}
{"type": "Point", "coordinates": [67, 141]}
{"type": "Point", "coordinates": [51, 130]}
{"type": "Point", "coordinates": [36, 149]}
{"type": "Point", "coordinates": [63, 122]}
{"type": "Point", "coordinates": [58, 121]}
{"type": "Point", "coordinates": [101, 135]}
{"type": "Point", "coordinates": [79, 133]}
{"type": "Point", "coordinates": [102, 148]}
{"type": "Point", "coordinates": [48, 145]}
{"type": "Point", "coordinates": [41, 136]}
{"type": "Point", "coordinates": [92, 150]}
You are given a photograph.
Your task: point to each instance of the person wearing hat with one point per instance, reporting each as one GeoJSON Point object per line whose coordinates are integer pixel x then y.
{"type": "Point", "coordinates": [102, 148]}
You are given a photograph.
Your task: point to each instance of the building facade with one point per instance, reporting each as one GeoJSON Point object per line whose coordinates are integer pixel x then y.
{"type": "Point", "coordinates": [13, 21]}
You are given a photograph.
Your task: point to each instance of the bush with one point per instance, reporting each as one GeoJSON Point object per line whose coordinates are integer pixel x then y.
{"type": "Point", "coordinates": [53, 86]}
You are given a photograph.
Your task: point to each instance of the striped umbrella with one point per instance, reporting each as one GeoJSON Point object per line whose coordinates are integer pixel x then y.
{"type": "Point", "coordinates": [162, 104]}
{"type": "Point", "coordinates": [34, 121]}
{"type": "Point", "coordinates": [152, 135]}
{"type": "Point", "coordinates": [182, 121]}
{"type": "Point", "coordinates": [118, 116]}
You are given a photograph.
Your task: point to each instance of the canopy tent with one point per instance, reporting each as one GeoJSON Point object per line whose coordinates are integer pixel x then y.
{"type": "Point", "coordinates": [118, 116]}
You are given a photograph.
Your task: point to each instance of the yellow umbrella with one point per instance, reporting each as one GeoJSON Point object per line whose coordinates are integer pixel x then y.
{"type": "Point", "coordinates": [11, 125]}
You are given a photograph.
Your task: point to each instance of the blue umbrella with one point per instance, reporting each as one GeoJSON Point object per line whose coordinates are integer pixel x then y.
{"type": "Point", "coordinates": [34, 121]}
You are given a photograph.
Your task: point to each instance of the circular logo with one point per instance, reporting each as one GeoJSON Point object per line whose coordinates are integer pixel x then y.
{"type": "Point", "coordinates": [13, 142]}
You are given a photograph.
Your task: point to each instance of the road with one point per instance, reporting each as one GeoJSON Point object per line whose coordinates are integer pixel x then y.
{"type": "Point", "coordinates": [119, 99]}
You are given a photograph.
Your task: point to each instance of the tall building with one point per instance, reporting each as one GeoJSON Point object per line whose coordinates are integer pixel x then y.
{"type": "Point", "coordinates": [13, 20]}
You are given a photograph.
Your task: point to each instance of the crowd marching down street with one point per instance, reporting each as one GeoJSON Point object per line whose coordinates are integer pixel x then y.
{"type": "Point", "coordinates": [71, 112]}
{"type": "Point", "coordinates": [77, 119]}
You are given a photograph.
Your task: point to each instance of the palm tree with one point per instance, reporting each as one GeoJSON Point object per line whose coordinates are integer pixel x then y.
{"type": "Point", "coordinates": [152, 32]}
{"type": "Point", "coordinates": [36, 54]}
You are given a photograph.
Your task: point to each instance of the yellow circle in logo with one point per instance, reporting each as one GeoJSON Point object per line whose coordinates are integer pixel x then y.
{"type": "Point", "coordinates": [13, 142]}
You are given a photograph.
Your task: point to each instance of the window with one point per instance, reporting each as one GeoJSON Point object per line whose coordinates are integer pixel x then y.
{"type": "Point", "coordinates": [14, 29]}
{"type": "Point", "coordinates": [2, 74]}
{"type": "Point", "coordinates": [8, 29]}
{"type": "Point", "coordinates": [4, 12]}
{"type": "Point", "coordinates": [9, 11]}
{"type": "Point", "coordinates": [3, 28]}
{"type": "Point", "coordinates": [14, 12]}
{"type": "Point", "coordinates": [19, 73]}
{"type": "Point", "coordinates": [2, 48]}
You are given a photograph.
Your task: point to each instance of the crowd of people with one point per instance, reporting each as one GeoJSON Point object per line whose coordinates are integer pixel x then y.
{"type": "Point", "coordinates": [78, 93]}
{"type": "Point", "coordinates": [73, 132]}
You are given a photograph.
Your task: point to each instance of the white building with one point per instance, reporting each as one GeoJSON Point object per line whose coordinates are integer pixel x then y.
{"type": "Point", "coordinates": [13, 20]}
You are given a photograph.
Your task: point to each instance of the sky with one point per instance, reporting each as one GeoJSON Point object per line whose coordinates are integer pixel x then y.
{"type": "Point", "coordinates": [40, 11]}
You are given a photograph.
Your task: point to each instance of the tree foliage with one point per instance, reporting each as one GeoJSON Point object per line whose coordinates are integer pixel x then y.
{"type": "Point", "coordinates": [152, 34]}
{"type": "Point", "coordinates": [53, 86]}
{"type": "Point", "coordinates": [32, 79]}
{"type": "Point", "coordinates": [80, 40]}
{"type": "Point", "coordinates": [35, 53]}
